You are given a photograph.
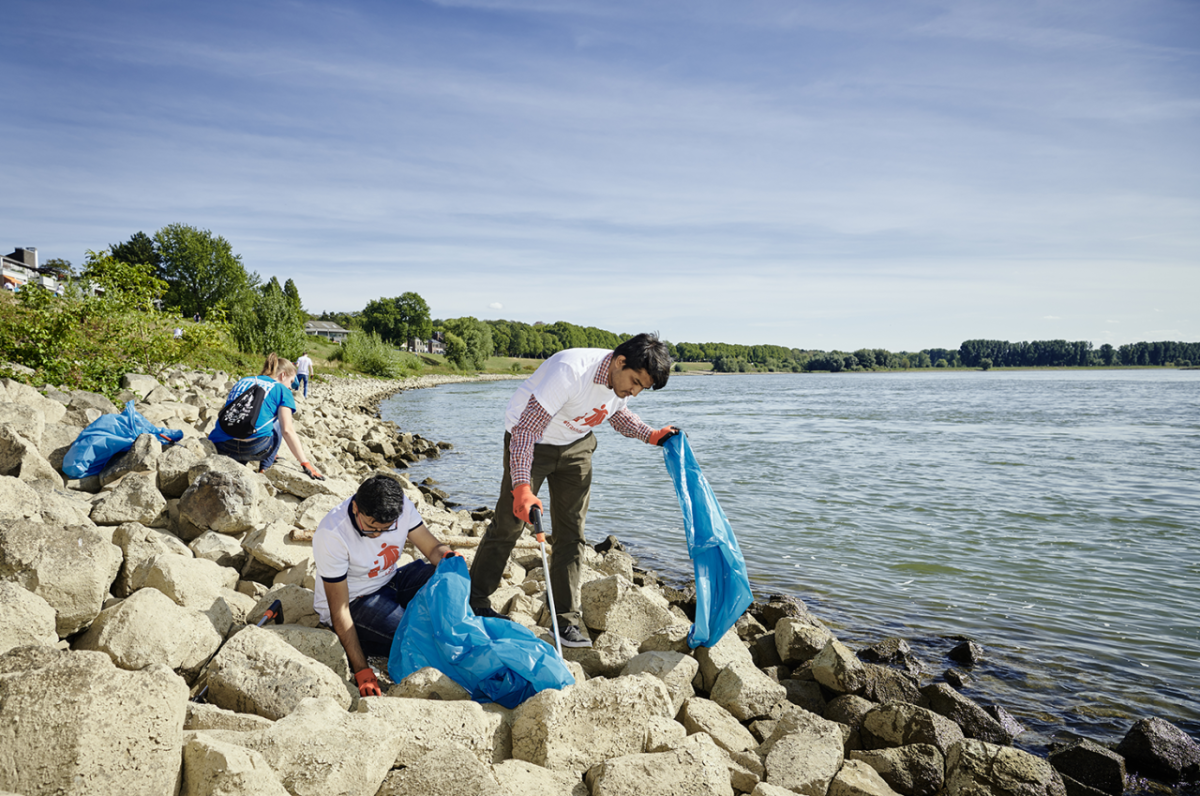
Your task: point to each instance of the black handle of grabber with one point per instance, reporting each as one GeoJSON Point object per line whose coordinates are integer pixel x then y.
{"type": "Point", "coordinates": [274, 612]}
{"type": "Point", "coordinates": [535, 519]}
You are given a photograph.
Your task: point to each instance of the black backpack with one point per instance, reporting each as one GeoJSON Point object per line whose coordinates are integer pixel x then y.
{"type": "Point", "coordinates": [237, 417]}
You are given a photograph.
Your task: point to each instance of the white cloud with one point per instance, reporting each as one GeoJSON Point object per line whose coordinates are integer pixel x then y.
{"type": "Point", "coordinates": [495, 305]}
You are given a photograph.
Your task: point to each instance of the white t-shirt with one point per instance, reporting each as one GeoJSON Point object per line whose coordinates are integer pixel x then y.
{"type": "Point", "coordinates": [565, 386]}
{"type": "Point", "coordinates": [367, 564]}
{"type": "Point", "coordinates": [304, 366]}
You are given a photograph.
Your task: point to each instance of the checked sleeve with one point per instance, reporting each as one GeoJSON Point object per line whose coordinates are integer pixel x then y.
{"type": "Point", "coordinates": [525, 434]}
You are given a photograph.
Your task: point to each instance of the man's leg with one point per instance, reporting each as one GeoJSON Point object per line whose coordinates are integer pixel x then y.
{"type": "Point", "coordinates": [497, 544]}
{"type": "Point", "coordinates": [570, 490]}
{"type": "Point", "coordinates": [377, 615]}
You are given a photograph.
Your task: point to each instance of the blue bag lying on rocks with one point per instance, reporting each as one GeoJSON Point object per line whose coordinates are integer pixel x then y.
{"type": "Point", "coordinates": [108, 435]}
{"type": "Point", "coordinates": [494, 659]}
{"type": "Point", "coordinates": [722, 586]}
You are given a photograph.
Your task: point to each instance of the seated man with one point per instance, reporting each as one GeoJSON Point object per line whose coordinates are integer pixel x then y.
{"type": "Point", "coordinates": [360, 591]}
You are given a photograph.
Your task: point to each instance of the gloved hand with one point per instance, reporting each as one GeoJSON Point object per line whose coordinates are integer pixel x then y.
{"type": "Point", "coordinates": [451, 554]}
{"type": "Point", "coordinates": [368, 684]}
{"type": "Point", "coordinates": [313, 472]}
{"type": "Point", "coordinates": [664, 433]}
{"type": "Point", "coordinates": [523, 501]}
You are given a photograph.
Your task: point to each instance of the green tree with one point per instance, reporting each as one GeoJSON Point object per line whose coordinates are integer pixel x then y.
{"type": "Point", "coordinates": [476, 342]}
{"type": "Point", "coordinates": [382, 317]}
{"type": "Point", "coordinates": [59, 268]}
{"type": "Point", "coordinates": [138, 250]}
{"type": "Point", "coordinates": [985, 364]}
{"type": "Point", "coordinates": [201, 270]}
{"type": "Point", "coordinates": [268, 320]}
{"type": "Point", "coordinates": [414, 313]}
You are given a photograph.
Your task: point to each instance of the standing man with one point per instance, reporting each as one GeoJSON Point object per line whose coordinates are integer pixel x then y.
{"type": "Point", "coordinates": [548, 437]}
{"type": "Point", "coordinates": [360, 591]}
{"type": "Point", "coordinates": [304, 370]}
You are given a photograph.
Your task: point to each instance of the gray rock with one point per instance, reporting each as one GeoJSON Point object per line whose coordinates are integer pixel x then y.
{"type": "Point", "coordinates": [859, 779]}
{"type": "Point", "coordinates": [449, 770]}
{"type": "Point", "coordinates": [837, 668]}
{"type": "Point", "coordinates": [57, 439]}
{"type": "Point", "coordinates": [135, 499]}
{"type": "Point", "coordinates": [1091, 765]}
{"type": "Point", "coordinates": [900, 724]}
{"type": "Point", "coordinates": [798, 640]}
{"type": "Point", "coordinates": [518, 777]}
{"type": "Point", "coordinates": [977, 767]}
{"type": "Point", "coordinates": [272, 545]}
{"type": "Point", "coordinates": [913, 770]}
{"type": "Point", "coordinates": [258, 672]}
{"type": "Point", "coordinates": [728, 649]}
{"type": "Point", "coordinates": [616, 605]}
{"type": "Point", "coordinates": [675, 669]}
{"type": "Point", "coordinates": [699, 715]}
{"type": "Point", "coordinates": [142, 457]}
{"type": "Point", "coordinates": [203, 716]}
{"type": "Point", "coordinates": [220, 501]}
{"type": "Point", "coordinates": [25, 420]}
{"type": "Point", "coordinates": [429, 683]}
{"type": "Point", "coordinates": [211, 767]}
{"type": "Point", "coordinates": [746, 692]}
{"type": "Point", "coordinates": [18, 500]}
{"type": "Point", "coordinates": [805, 694]}
{"type": "Point", "coordinates": [140, 546]}
{"type": "Point", "coordinates": [966, 713]}
{"type": "Point", "coordinates": [968, 653]}
{"type": "Point", "coordinates": [226, 551]}
{"type": "Point", "coordinates": [172, 468]}
{"type": "Point", "coordinates": [807, 759]}
{"type": "Point", "coordinates": [20, 458]}
{"type": "Point", "coordinates": [697, 768]}
{"type": "Point", "coordinates": [73, 723]}
{"type": "Point", "coordinates": [423, 725]}
{"type": "Point", "coordinates": [70, 568]}
{"type": "Point", "coordinates": [82, 399]}
{"type": "Point", "coordinates": [190, 582]}
{"type": "Point", "coordinates": [1158, 749]}
{"type": "Point", "coordinates": [607, 657]}
{"type": "Point", "coordinates": [884, 684]}
{"type": "Point", "coordinates": [26, 618]}
{"type": "Point", "coordinates": [139, 384]}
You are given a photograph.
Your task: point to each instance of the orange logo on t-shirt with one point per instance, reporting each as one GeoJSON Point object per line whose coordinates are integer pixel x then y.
{"type": "Point", "coordinates": [595, 418]}
{"type": "Point", "coordinates": [390, 554]}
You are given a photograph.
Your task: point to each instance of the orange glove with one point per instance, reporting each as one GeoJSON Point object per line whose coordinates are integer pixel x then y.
{"type": "Point", "coordinates": [313, 472]}
{"type": "Point", "coordinates": [523, 501]}
{"type": "Point", "coordinates": [664, 433]}
{"type": "Point", "coordinates": [368, 685]}
{"type": "Point", "coordinates": [451, 554]}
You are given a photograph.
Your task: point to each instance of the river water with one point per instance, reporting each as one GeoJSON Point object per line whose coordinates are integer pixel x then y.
{"type": "Point", "coordinates": [1051, 517]}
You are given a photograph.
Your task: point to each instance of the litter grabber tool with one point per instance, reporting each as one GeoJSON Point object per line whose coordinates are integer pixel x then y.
{"type": "Point", "coordinates": [274, 612]}
{"type": "Point", "coordinates": [535, 516]}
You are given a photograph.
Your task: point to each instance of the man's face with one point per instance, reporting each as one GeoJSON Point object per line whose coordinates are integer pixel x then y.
{"type": "Point", "coordinates": [367, 526]}
{"type": "Point", "coordinates": [627, 382]}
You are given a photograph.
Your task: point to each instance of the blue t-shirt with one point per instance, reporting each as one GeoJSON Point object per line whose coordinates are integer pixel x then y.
{"type": "Point", "coordinates": [277, 396]}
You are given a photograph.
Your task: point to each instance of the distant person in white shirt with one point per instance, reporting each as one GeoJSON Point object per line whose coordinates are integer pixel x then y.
{"type": "Point", "coordinates": [303, 371]}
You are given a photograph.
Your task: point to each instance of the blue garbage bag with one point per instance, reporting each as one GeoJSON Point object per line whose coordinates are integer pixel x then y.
{"type": "Point", "coordinates": [494, 659]}
{"type": "Point", "coordinates": [108, 435]}
{"type": "Point", "coordinates": [722, 586]}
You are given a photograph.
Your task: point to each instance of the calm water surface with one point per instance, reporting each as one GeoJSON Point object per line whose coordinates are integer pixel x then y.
{"type": "Point", "coordinates": [1052, 517]}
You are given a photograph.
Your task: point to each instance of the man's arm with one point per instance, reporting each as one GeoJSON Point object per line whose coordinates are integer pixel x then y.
{"type": "Point", "coordinates": [632, 426]}
{"type": "Point", "coordinates": [428, 544]}
{"type": "Point", "coordinates": [337, 593]}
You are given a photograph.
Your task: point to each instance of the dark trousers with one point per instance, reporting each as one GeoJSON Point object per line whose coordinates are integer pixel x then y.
{"type": "Point", "coordinates": [567, 470]}
{"type": "Point", "coordinates": [377, 615]}
{"type": "Point", "coordinates": [262, 449]}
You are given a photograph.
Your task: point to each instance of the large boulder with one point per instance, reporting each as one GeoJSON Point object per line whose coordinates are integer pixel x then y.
{"type": "Point", "coordinates": [806, 759]}
{"type": "Point", "coordinates": [519, 777]}
{"type": "Point", "coordinates": [1091, 765]}
{"type": "Point", "coordinates": [57, 439]}
{"type": "Point", "coordinates": [70, 568]}
{"type": "Point", "coordinates": [134, 499]}
{"type": "Point", "coordinates": [423, 725]}
{"type": "Point", "coordinates": [728, 649]}
{"type": "Point", "coordinates": [26, 618]}
{"type": "Point", "coordinates": [607, 657]}
{"type": "Point", "coordinates": [140, 546]}
{"type": "Point", "coordinates": [142, 457]}
{"type": "Point", "coordinates": [977, 767]}
{"type": "Point", "coordinates": [913, 770]}
{"type": "Point", "coordinates": [966, 713]}
{"type": "Point", "coordinates": [18, 500]}
{"type": "Point", "coordinates": [148, 627]}
{"type": "Point", "coordinates": [449, 770]}
{"type": "Point", "coordinates": [222, 501]}
{"type": "Point", "coordinates": [73, 723]}
{"type": "Point", "coordinates": [25, 420]}
{"type": "Point", "coordinates": [51, 410]}
{"type": "Point", "coordinates": [312, 510]}
{"type": "Point", "coordinates": [317, 643]}
{"type": "Point", "coordinates": [838, 669]}
{"type": "Point", "coordinates": [190, 582]}
{"type": "Point", "coordinates": [62, 506]}
{"type": "Point", "coordinates": [675, 669]}
{"type": "Point", "coordinates": [258, 672]}
{"type": "Point", "coordinates": [20, 458]}
{"type": "Point", "coordinates": [216, 768]}
{"type": "Point", "coordinates": [697, 768]}
{"type": "Point", "coordinates": [700, 715]}
{"type": "Point", "coordinates": [800, 639]}
{"type": "Point", "coordinates": [272, 545]}
{"type": "Point", "coordinates": [746, 692]}
{"type": "Point", "coordinates": [296, 482]}
{"type": "Point", "coordinates": [586, 723]}
{"type": "Point", "coordinates": [900, 724]}
{"type": "Point", "coordinates": [615, 605]}
{"type": "Point", "coordinates": [859, 779]}
{"type": "Point", "coordinates": [321, 749]}
{"type": "Point", "coordinates": [1158, 749]}
{"type": "Point", "coordinates": [172, 471]}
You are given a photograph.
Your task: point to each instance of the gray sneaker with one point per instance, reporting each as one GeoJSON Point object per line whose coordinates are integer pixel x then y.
{"type": "Point", "coordinates": [570, 636]}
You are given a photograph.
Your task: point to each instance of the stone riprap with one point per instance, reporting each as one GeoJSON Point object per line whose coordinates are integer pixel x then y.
{"type": "Point", "coordinates": [130, 663]}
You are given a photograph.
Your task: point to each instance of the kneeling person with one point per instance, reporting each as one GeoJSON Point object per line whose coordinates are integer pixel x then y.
{"type": "Point", "coordinates": [360, 590]}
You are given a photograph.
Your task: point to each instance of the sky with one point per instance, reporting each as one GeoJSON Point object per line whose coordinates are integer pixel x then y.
{"type": "Point", "coordinates": [895, 174]}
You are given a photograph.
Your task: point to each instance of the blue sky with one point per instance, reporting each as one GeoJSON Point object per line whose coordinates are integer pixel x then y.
{"type": "Point", "coordinates": [889, 174]}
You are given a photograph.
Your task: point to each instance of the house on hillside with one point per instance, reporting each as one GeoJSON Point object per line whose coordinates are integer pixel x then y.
{"type": "Point", "coordinates": [434, 345]}
{"type": "Point", "coordinates": [327, 329]}
{"type": "Point", "coordinates": [20, 268]}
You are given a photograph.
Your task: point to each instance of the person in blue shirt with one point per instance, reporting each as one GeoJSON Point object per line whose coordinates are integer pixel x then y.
{"type": "Point", "coordinates": [274, 423]}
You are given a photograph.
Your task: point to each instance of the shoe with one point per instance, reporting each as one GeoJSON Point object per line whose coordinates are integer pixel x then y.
{"type": "Point", "coordinates": [570, 636]}
{"type": "Point", "coordinates": [484, 609]}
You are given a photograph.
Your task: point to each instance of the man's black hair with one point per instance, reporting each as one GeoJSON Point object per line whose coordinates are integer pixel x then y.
{"type": "Point", "coordinates": [646, 352]}
{"type": "Point", "coordinates": [381, 498]}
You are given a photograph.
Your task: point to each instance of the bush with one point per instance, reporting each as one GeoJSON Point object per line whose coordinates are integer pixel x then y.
{"type": "Point", "coordinates": [368, 353]}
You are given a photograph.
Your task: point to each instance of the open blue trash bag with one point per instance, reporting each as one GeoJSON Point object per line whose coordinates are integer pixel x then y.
{"type": "Point", "coordinates": [494, 659]}
{"type": "Point", "coordinates": [107, 436]}
{"type": "Point", "coordinates": [722, 586]}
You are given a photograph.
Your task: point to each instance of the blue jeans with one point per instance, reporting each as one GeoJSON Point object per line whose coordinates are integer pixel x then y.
{"type": "Point", "coordinates": [303, 381]}
{"type": "Point", "coordinates": [377, 615]}
{"type": "Point", "coordinates": [261, 449]}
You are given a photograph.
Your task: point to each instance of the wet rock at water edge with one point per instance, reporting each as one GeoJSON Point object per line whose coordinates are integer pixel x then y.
{"type": "Point", "coordinates": [967, 653]}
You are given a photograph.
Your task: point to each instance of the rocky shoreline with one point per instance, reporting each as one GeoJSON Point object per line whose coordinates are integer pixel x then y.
{"type": "Point", "coordinates": [130, 594]}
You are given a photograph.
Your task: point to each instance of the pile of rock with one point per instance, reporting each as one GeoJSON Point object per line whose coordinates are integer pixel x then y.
{"type": "Point", "coordinates": [130, 661]}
